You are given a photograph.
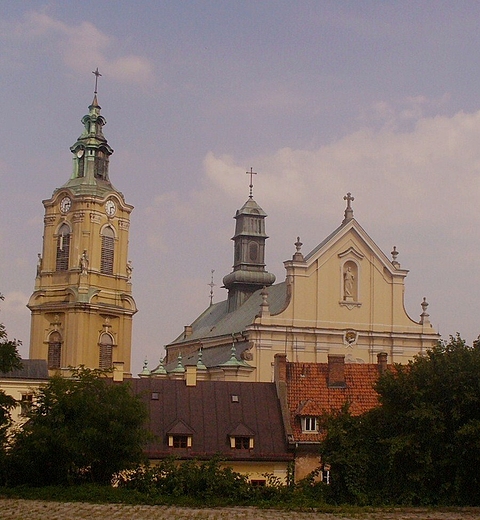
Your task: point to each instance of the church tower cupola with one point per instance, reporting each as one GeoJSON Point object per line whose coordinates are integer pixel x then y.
{"type": "Point", "coordinates": [249, 273]}
{"type": "Point", "coordinates": [82, 305]}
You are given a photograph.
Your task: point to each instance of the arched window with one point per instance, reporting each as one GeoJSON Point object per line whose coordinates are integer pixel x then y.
{"type": "Point", "coordinates": [106, 351]}
{"type": "Point", "coordinates": [54, 350]}
{"type": "Point", "coordinates": [63, 248]}
{"type": "Point", "coordinates": [108, 242]}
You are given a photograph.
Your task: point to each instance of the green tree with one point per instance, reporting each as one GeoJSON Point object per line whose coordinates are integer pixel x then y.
{"type": "Point", "coordinates": [422, 444]}
{"type": "Point", "coordinates": [9, 360]}
{"type": "Point", "coordinates": [84, 428]}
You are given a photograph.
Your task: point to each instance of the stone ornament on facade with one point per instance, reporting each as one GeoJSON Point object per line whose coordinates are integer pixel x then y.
{"type": "Point", "coordinates": [84, 262]}
{"type": "Point", "coordinates": [350, 338]}
{"type": "Point", "coordinates": [348, 284]}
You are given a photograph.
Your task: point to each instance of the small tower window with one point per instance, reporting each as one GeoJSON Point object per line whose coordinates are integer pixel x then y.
{"type": "Point", "coordinates": [63, 248]}
{"type": "Point", "coordinates": [108, 242]}
{"type": "Point", "coordinates": [253, 251]}
{"type": "Point", "coordinates": [106, 351]}
{"type": "Point", "coordinates": [54, 350]}
{"type": "Point", "coordinates": [101, 165]}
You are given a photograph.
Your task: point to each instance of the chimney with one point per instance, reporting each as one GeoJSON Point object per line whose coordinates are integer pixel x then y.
{"type": "Point", "coordinates": [191, 375]}
{"type": "Point", "coordinates": [187, 331]}
{"type": "Point", "coordinates": [382, 362]}
{"type": "Point", "coordinates": [118, 371]}
{"type": "Point", "coordinates": [336, 371]}
{"type": "Point", "coordinates": [280, 368]}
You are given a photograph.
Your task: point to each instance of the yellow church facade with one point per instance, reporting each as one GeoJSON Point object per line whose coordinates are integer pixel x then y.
{"type": "Point", "coordinates": [344, 297]}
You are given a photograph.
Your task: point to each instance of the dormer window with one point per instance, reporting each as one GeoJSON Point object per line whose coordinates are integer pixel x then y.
{"type": "Point", "coordinates": [241, 443]}
{"type": "Point", "coordinates": [309, 424]}
{"type": "Point", "coordinates": [180, 435]}
{"type": "Point", "coordinates": [180, 441]}
{"type": "Point", "coordinates": [241, 438]}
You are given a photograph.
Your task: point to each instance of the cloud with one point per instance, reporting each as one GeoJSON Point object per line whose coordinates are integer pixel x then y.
{"type": "Point", "coordinates": [15, 303]}
{"type": "Point", "coordinates": [426, 174]}
{"type": "Point", "coordinates": [81, 47]}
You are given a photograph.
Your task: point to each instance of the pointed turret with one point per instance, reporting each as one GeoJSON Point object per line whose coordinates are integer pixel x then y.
{"type": "Point", "coordinates": [249, 273]}
{"type": "Point", "coordinates": [91, 153]}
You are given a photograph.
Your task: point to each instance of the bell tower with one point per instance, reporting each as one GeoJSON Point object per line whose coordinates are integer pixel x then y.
{"type": "Point", "coordinates": [249, 273]}
{"type": "Point", "coordinates": [82, 305]}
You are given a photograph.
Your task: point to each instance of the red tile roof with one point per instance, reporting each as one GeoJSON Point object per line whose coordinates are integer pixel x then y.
{"type": "Point", "coordinates": [308, 393]}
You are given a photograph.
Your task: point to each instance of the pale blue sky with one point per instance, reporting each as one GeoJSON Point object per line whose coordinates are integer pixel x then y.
{"type": "Point", "coordinates": [380, 98]}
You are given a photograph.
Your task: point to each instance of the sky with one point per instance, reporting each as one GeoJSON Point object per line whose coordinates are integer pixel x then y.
{"type": "Point", "coordinates": [377, 98]}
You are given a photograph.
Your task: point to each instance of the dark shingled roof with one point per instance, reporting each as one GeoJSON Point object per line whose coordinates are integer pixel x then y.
{"type": "Point", "coordinates": [31, 369]}
{"type": "Point", "coordinates": [216, 321]}
{"type": "Point", "coordinates": [211, 414]}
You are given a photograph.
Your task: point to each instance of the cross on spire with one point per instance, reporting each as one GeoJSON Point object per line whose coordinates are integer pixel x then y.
{"type": "Point", "coordinates": [348, 211]}
{"type": "Point", "coordinates": [251, 173]}
{"type": "Point", "coordinates": [97, 75]}
{"type": "Point", "coordinates": [348, 197]}
{"type": "Point", "coordinates": [212, 285]}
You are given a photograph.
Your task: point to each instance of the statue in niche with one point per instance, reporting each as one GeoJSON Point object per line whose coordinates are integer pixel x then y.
{"type": "Point", "coordinates": [84, 262]}
{"type": "Point", "coordinates": [39, 265]}
{"type": "Point", "coordinates": [348, 283]}
{"type": "Point", "coordinates": [129, 270]}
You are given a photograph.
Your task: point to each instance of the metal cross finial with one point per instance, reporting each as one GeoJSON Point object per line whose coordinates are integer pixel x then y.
{"type": "Point", "coordinates": [97, 75]}
{"type": "Point", "coordinates": [212, 285]}
{"type": "Point", "coordinates": [251, 173]}
{"type": "Point", "coordinates": [348, 197]}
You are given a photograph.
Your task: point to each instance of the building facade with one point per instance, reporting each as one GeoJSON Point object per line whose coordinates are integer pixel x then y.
{"type": "Point", "coordinates": [82, 304]}
{"type": "Point", "coordinates": [345, 297]}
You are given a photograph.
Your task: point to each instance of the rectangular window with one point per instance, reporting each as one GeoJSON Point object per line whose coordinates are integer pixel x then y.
{"type": "Point", "coordinates": [54, 354]}
{"type": "Point", "coordinates": [63, 252]}
{"type": "Point", "coordinates": [180, 441]}
{"type": "Point", "coordinates": [309, 424]}
{"type": "Point", "coordinates": [106, 353]}
{"type": "Point", "coordinates": [241, 443]}
{"type": "Point", "coordinates": [106, 262]}
{"type": "Point", "coordinates": [26, 403]}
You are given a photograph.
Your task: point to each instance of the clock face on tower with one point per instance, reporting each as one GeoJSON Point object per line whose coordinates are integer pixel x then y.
{"type": "Point", "coordinates": [110, 208]}
{"type": "Point", "coordinates": [65, 204]}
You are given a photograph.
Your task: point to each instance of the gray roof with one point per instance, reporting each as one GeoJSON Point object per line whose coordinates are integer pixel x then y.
{"type": "Point", "coordinates": [31, 369]}
{"type": "Point", "coordinates": [213, 356]}
{"type": "Point", "coordinates": [216, 321]}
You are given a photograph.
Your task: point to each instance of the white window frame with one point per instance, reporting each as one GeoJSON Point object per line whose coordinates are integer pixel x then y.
{"type": "Point", "coordinates": [309, 424]}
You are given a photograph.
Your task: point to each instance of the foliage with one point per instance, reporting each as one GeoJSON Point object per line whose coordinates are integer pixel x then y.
{"type": "Point", "coordinates": [84, 428]}
{"type": "Point", "coordinates": [422, 444]}
{"type": "Point", "coordinates": [204, 480]}
{"type": "Point", "coordinates": [9, 360]}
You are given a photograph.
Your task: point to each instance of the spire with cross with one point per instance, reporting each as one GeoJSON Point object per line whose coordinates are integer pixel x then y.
{"type": "Point", "coordinates": [348, 211]}
{"type": "Point", "coordinates": [251, 173]}
{"type": "Point", "coordinates": [97, 75]}
{"type": "Point", "coordinates": [212, 285]}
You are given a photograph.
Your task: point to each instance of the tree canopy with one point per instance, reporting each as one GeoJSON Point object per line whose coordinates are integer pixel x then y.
{"type": "Point", "coordinates": [9, 360]}
{"type": "Point", "coordinates": [422, 444]}
{"type": "Point", "coordinates": [84, 428]}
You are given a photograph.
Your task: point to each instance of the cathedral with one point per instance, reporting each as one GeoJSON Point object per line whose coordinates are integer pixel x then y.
{"type": "Point", "coordinates": [82, 305]}
{"type": "Point", "coordinates": [345, 297]}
